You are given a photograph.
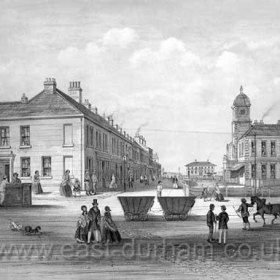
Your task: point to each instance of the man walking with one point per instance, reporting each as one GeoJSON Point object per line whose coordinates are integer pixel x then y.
{"type": "Point", "coordinates": [94, 217]}
{"type": "Point", "coordinates": [243, 208]}
{"type": "Point", "coordinates": [211, 219]}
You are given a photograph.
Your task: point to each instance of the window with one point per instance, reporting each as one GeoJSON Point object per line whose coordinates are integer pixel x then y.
{"type": "Point", "coordinates": [25, 167]}
{"type": "Point", "coordinates": [272, 171]}
{"type": "Point", "coordinates": [87, 136]}
{"type": "Point", "coordinates": [253, 148]}
{"type": "Point", "coordinates": [5, 137]}
{"type": "Point", "coordinates": [68, 134]}
{"type": "Point", "coordinates": [91, 136]}
{"type": "Point", "coordinates": [47, 166]}
{"type": "Point", "coordinates": [105, 142]}
{"type": "Point", "coordinates": [263, 171]}
{"type": "Point", "coordinates": [263, 148]}
{"type": "Point", "coordinates": [253, 171]}
{"type": "Point", "coordinates": [25, 135]}
{"type": "Point", "coordinates": [272, 149]}
{"type": "Point", "coordinates": [68, 164]}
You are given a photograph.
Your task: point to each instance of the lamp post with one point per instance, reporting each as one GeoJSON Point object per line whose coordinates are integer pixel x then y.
{"type": "Point", "coordinates": [124, 185]}
{"type": "Point", "coordinates": [255, 179]}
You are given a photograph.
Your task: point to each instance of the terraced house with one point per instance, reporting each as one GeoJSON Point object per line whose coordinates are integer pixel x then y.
{"type": "Point", "coordinates": [253, 155]}
{"type": "Point", "coordinates": [55, 131]}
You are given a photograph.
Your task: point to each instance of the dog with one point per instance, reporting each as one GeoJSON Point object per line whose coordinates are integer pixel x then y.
{"type": "Point", "coordinates": [30, 231]}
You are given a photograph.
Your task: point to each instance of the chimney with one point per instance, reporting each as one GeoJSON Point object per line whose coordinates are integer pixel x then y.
{"type": "Point", "coordinates": [50, 86]}
{"type": "Point", "coordinates": [24, 99]}
{"type": "Point", "coordinates": [87, 104]}
{"type": "Point", "coordinates": [278, 122]}
{"type": "Point", "coordinates": [111, 121]}
{"type": "Point", "coordinates": [75, 91]}
{"type": "Point", "coordinates": [94, 110]}
{"type": "Point", "coordinates": [261, 122]}
{"type": "Point", "coordinates": [255, 121]}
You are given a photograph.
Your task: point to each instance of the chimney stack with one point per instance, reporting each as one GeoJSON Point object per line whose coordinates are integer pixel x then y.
{"type": "Point", "coordinates": [261, 122]}
{"type": "Point", "coordinates": [278, 122]}
{"type": "Point", "coordinates": [111, 121]}
{"type": "Point", "coordinates": [24, 99]}
{"type": "Point", "coordinates": [94, 110]}
{"type": "Point", "coordinates": [255, 121]}
{"type": "Point", "coordinates": [50, 86]}
{"type": "Point", "coordinates": [87, 104]}
{"type": "Point", "coordinates": [75, 91]}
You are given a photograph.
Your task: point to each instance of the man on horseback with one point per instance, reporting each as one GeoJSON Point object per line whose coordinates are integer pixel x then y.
{"type": "Point", "coordinates": [243, 208]}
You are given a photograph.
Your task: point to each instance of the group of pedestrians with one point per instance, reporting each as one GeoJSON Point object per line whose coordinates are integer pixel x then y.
{"type": "Point", "coordinates": [93, 228]}
{"type": "Point", "coordinates": [68, 188]}
{"type": "Point", "coordinates": [223, 218]}
{"type": "Point", "coordinates": [36, 184]}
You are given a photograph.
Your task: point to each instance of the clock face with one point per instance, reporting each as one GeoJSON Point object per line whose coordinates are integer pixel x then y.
{"type": "Point", "coordinates": [242, 111]}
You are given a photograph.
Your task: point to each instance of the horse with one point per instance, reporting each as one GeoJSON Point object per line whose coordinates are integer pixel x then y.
{"type": "Point", "coordinates": [263, 208]}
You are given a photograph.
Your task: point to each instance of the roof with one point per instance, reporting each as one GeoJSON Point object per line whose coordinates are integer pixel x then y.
{"type": "Point", "coordinates": [241, 99]}
{"type": "Point", "coordinates": [262, 130]}
{"type": "Point", "coordinates": [200, 163]}
{"type": "Point", "coordinates": [42, 104]}
{"type": "Point", "coordinates": [51, 105]}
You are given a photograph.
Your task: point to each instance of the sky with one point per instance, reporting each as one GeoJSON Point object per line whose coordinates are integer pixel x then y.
{"type": "Point", "coordinates": [171, 67]}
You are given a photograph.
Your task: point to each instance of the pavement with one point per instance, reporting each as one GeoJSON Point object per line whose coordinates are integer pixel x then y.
{"type": "Point", "coordinates": [168, 249]}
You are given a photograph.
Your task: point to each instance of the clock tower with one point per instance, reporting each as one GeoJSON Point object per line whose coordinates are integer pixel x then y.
{"type": "Point", "coordinates": [241, 121]}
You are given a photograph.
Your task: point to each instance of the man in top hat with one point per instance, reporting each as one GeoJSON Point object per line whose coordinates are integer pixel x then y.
{"type": "Point", "coordinates": [94, 217]}
{"type": "Point", "coordinates": [243, 208]}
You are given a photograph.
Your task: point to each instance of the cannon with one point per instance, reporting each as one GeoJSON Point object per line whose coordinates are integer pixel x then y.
{"type": "Point", "coordinates": [136, 208]}
{"type": "Point", "coordinates": [176, 207]}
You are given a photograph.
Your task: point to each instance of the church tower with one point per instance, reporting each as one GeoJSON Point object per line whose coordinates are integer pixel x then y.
{"type": "Point", "coordinates": [241, 121]}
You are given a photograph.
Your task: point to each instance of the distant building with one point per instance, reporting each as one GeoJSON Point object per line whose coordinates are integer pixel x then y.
{"type": "Point", "coordinates": [55, 131]}
{"type": "Point", "coordinates": [253, 155]}
{"type": "Point", "coordinates": [200, 169]}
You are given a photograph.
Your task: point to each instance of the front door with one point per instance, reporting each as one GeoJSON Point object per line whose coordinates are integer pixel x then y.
{"type": "Point", "coordinates": [7, 171]}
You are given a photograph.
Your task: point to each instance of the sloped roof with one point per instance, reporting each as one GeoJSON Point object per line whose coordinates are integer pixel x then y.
{"type": "Point", "coordinates": [42, 104]}
{"type": "Point", "coordinates": [262, 130]}
{"type": "Point", "coordinates": [51, 105]}
{"type": "Point", "coordinates": [200, 163]}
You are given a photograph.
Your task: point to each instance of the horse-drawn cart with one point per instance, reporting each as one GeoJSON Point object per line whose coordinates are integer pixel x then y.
{"type": "Point", "coordinates": [136, 207]}
{"type": "Point", "coordinates": [176, 207]}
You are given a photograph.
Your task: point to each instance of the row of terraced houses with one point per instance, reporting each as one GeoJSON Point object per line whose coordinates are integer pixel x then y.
{"type": "Point", "coordinates": [55, 131]}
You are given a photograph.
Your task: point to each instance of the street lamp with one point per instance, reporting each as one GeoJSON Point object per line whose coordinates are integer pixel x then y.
{"type": "Point", "coordinates": [124, 185]}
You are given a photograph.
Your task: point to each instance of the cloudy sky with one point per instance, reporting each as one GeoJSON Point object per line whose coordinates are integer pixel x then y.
{"type": "Point", "coordinates": [173, 67]}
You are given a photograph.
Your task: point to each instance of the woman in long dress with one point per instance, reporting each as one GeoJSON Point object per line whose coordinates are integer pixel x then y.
{"type": "Point", "coordinates": [82, 226]}
{"type": "Point", "coordinates": [36, 185]}
{"type": "Point", "coordinates": [113, 184]}
{"type": "Point", "coordinates": [109, 230]}
{"type": "Point", "coordinates": [66, 184]}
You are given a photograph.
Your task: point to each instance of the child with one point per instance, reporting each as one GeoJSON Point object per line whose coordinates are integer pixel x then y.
{"type": "Point", "coordinates": [211, 219]}
{"type": "Point", "coordinates": [223, 220]}
{"type": "Point", "coordinates": [77, 188]}
{"type": "Point", "coordinates": [159, 188]}
{"type": "Point", "coordinates": [82, 226]}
